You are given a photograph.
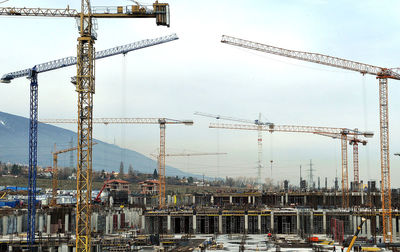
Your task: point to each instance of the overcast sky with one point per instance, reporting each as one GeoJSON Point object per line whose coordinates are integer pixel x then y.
{"type": "Point", "coordinates": [199, 73]}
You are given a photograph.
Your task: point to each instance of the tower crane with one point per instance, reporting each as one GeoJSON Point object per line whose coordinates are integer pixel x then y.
{"type": "Point", "coordinates": [85, 87]}
{"type": "Point", "coordinates": [382, 74]}
{"type": "Point", "coordinates": [55, 172]}
{"type": "Point", "coordinates": [32, 74]}
{"type": "Point", "coordinates": [343, 132]}
{"type": "Point", "coordinates": [354, 141]}
{"type": "Point", "coordinates": [257, 122]}
{"type": "Point", "coordinates": [161, 121]}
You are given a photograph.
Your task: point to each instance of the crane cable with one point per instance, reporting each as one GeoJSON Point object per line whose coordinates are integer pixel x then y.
{"type": "Point", "coordinates": [4, 1]}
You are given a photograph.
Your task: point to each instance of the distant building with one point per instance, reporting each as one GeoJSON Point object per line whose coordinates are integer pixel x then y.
{"type": "Point", "coordinates": [149, 186]}
{"type": "Point", "coordinates": [117, 185]}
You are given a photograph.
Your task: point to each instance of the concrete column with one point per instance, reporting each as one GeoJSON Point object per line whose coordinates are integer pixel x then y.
{"type": "Point", "coordinates": [305, 199]}
{"type": "Point", "coordinates": [144, 201]}
{"type": "Point", "coordinates": [259, 223]}
{"type": "Point", "coordinates": [119, 221]}
{"type": "Point", "coordinates": [272, 221]}
{"type": "Point", "coordinates": [111, 225]}
{"type": "Point", "coordinates": [312, 221]}
{"type": "Point", "coordinates": [364, 228]}
{"type": "Point", "coordinates": [230, 199]}
{"type": "Point", "coordinates": [220, 224]}
{"type": "Point", "coordinates": [66, 228]}
{"type": "Point", "coordinates": [246, 222]}
{"type": "Point", "coordinates": [377, 221]}
{"type": "Point", "coordinates": [168, 200]}
{"type": "Point", "coordinates": [107, 224]}
{"type": "Point", "coordinates": [254, 200]}
{"type": "Point", "coordinates": [169, 223]}
{"type": "Point", "coordinates": [64, 248]}
{"type": "Point", "coordinates": [40, 223]}
{"type": "Point", "coordinates": [354, 223]}
{"type": "Point", "coordinates": [19, 224]}
{"type": "Point", "coordinates": [5, 225]}
{"type": "Point", "coordinates": [249, 199]}
{"type": "Point", "coordinates": [324, 199]}
{"type": "Point", "coordinates": [48, 224]}
{"type": "Point", "coordinates": [194, 200]}
{"type": "Point", "coordinates": [95, 217]}
{"type": "Point", "coordinates": [394, 226]}
{"type": "Point", "coordinates": [324, 222]}
{"type": "Point", "coordinates": [287, 198]}
{"type": "Point", "coordinates": [212, 200]}
{"type": "Point", "coordinates": [297, 221]}
{"type": "Point", "coordinates": [194, 224]}
{"type": "Point", "coordinates": [362, 197]}
{"type": "Point", "coordinates": [129, 214]}
{"type": "Point", "coordinates": [282, 200]}
{"type": "Point", "coordinates": [143, 223]}
{"type": "Point", "coordinates": [368, 222]}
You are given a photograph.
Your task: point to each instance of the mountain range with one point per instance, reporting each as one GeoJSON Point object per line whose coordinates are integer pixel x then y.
{"type": "Point", "coordinates": [14, 133]}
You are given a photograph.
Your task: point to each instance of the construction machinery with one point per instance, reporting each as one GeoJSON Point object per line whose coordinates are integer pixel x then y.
{"type": "Point", "coordinates": [108, 181]}
{"type": "Point", "coordinates": [85, 87]}
{"type": "Point", "coordinates": [353, 240]}
{"type": "Point", "coordinates": [161, 121]}
{"type": "Point", "coordinates": [344, 133]}
{"type": "Point", "coordinates": [257, 122]}
{"type": "Point", "coordinates": [381, 73]}
{"type": "Point", "coordinates": [55, 153]}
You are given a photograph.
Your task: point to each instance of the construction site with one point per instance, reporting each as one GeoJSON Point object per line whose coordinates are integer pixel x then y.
{"type": "Point", "coordinates": [241, 200]}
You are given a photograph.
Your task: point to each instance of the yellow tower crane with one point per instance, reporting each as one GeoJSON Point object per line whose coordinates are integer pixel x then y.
{"type": "Point", "coordinates": [381, 73]}
{"type": "Point", "coordinates": [344, 133]}
{"type": "Point", "coordinates": [161, 121]}
{"type": "Point", "coordinates": [55, 153]}
{"type": "Point", "coordinates": [85, 86]}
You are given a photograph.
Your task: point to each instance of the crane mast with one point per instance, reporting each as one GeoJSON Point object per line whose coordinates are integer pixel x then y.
{"type": "Point", "coordinates": [381, 73]}
{"type": "Point", "coordinates": [85, 82]}
{"type": "Point", "coordinates": [55, 171]}
{"type": "Point", "coordinates": [33, 129]}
